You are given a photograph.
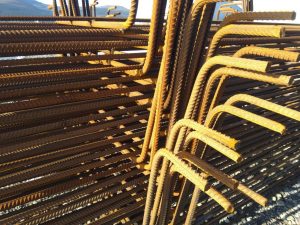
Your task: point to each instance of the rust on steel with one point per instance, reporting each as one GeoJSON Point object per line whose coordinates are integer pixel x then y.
{"type": "Point", "coordinates": [176, 119]}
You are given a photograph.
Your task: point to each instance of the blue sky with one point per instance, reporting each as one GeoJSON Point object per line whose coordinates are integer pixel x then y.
{"type": "Point", "coordinates": [145, 6]}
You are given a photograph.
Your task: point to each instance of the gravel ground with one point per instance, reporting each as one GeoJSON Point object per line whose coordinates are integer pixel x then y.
{"type": "Point", "coordinates": [283, 208]}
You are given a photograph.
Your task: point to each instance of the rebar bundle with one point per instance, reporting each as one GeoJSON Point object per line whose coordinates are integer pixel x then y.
{"type": "Point", "coordinates": [108, 120]}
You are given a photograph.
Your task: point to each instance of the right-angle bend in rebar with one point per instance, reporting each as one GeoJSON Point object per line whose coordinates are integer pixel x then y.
{"type": "Point", "coordinates": [157, 103]}
{"type": "Point", "coordinates": [250, 16]}
{"type": "Point", "coordinates": [197, 92]}
{"type": "Point", "coordinates": [250, 50]}
{"type": "Point", "coordinates": [187, 123]}
{"type": "Point", "coordinates": [246, 30]}
{"type": "Point", "coordinates": [268, 52]}
{"type": "Point", "coordinates": [200, 128]}
{"type": "Point", "coordinates": [282, 110]}
{"type": "Point", "coordinates": [185, 170]}
{"type": "Point", "coordinates": [183, 61]}
{"type": "Point", "coordinates": [225, 73]}
{"type": "Point", "coordinates": [214, 115]}
{"type": "Point", "coordinates": [224, 150]}
{"type": "Point", "coordinates": [157, 11]}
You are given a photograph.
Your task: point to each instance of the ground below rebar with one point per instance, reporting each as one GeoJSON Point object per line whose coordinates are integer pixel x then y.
{"type": "Point", "coordinates": [283, 208]}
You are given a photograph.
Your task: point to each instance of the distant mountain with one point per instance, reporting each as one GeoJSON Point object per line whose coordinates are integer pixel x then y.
{"type": "Point", "coordinates": [23, 8]}
{"type": "Point", "coordinates": [36, 8]}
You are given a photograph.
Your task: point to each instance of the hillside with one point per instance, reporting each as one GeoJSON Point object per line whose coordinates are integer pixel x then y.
{"type": "Point", "coordinates": [36, 8]}
{"type": "Point", "coordinates": [23, 8]}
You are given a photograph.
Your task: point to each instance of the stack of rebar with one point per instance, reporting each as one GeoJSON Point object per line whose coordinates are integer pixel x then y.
{"type": "Point", "coordinates": [247, 93]}
{"type": "Point", "coordinates": [108, 120]}
{"type": "Point", "coordinates": [74, 109]}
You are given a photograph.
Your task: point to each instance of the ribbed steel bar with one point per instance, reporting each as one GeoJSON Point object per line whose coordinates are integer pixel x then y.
{"type": "Point", "coordinates": [287, 67]}
{"type": "Point", "coordinates": [62, 18]}
{"type": "Point", "coordinates": [71, 59]}
{"type": "Point", "coordinates": [75, 103]}
{"type": "Point", "coordinates": [13, 49]}
{"type": "Point", "coordinates": [250, 16]}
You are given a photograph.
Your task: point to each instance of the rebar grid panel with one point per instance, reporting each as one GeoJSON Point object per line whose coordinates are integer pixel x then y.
{"type": "Point", "coordinates": [72, 123]}
{"type": "Point", "coordinates": [234, 124]}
